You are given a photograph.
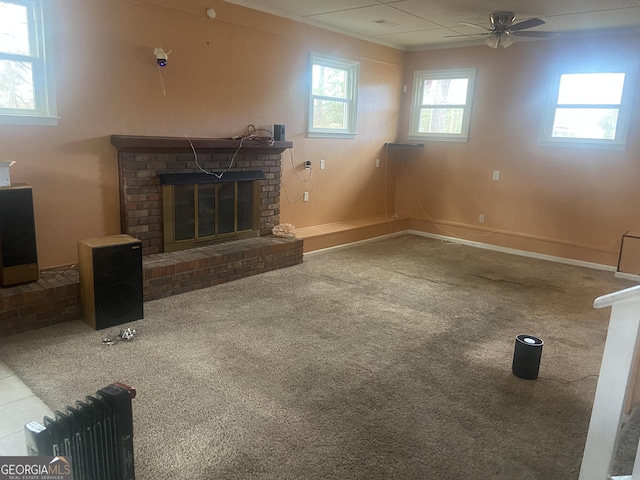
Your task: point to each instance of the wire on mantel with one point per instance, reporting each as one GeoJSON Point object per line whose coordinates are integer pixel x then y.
{"type": "Point", "coordinates": [250, 135]}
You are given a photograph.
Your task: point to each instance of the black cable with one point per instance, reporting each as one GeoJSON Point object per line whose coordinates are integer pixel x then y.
{"type": "Point", "coordinates": [569, 381]}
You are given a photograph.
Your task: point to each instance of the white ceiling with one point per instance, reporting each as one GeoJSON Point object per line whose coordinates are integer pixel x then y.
{"type": "Point", "coordinates": [418, 24]}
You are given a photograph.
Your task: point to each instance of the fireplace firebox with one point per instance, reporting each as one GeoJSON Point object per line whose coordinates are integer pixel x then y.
{"type": "Point", "coordinates": [201, 209]}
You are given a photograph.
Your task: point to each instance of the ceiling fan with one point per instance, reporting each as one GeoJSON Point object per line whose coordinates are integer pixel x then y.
{"type": "Point", "coordinates": [502, 29]}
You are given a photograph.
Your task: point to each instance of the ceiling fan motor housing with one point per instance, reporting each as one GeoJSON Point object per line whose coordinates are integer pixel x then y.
{"type": "Point", "coordinates": [501, 21]}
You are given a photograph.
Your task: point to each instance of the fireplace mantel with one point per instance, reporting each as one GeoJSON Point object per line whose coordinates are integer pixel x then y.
{"type": "Point", "coordinates": [151, 144]}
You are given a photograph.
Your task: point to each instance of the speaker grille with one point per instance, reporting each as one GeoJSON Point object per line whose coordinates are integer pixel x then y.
{"type": "Point", "coordinates": [111, 280]}
{"type": "Point", "coordinates": [118, 301]}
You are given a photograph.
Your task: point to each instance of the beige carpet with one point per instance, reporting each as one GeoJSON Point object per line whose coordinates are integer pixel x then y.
{"type": "Point", "coordinates": [390, 359]}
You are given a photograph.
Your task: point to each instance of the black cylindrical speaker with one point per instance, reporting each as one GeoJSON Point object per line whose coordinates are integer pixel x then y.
{"type": "Point", "coordinates": [110, 280]}
{"type": "Point", "coordinates": [278, 133]}
{"type": "Point", "coordinates": [526, 357]}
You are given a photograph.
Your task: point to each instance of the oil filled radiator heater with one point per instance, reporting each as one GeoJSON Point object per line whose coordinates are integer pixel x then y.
{"type": "Point", "coordinates": [97, 433]}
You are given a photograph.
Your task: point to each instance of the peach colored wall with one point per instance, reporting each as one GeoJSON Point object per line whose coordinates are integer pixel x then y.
{"type": "Point", "coordinates": [244, 67]}
{"type": "Point", "coordinates": [573, 203]}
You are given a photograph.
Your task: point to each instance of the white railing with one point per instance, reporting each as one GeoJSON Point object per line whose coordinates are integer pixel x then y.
{"type": "Point", "coordinates": [615, 384]}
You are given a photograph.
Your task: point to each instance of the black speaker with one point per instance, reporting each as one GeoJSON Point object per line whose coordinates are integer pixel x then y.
{"type": "Point", "coordinates": [278, 133]}
{"type": "Point", "coordinates": [18, 252]}
{"type": "Point", "coordinates": [110, 280]}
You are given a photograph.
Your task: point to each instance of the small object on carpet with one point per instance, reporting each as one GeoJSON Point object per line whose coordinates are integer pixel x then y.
{"type": "Point", "coordinates": [127, 334]}
{"type": "Point", "coordinates": [124, 335]}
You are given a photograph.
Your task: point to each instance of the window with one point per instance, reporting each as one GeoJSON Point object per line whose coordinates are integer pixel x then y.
{"type": "Point", "coordinates": [26, 77]}
{"type": "Point", "coordinates": [588, 109]}
{"type": "Point", "coordinates": [333, 102]}
{"type": "Point", "coordinates": [442, 104]}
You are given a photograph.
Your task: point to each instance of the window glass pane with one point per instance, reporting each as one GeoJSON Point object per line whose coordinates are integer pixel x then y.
{"type": "Point", "coordinates": [206, 210]}
{"type": "Point", "coordinates": [591, 88]}
{"type": "Point", "coordinates": [14, 29]}
{"type": "Point", "coordinates": [594, 123]}
{"type": "Point", "coordinates": [245, 206]}
{"type": "Point", "coordinates": [16, 85]}
{"type": "Point", "coordinates": [329, 82]}
{"type": "Point", "coordinates": [450, 91]}
{"type": "Point", "coordinates": [184, 212]}
{"type": "Point", "coordinates": [329, 114]}
{"type": "Point", "coordinates": [333, 97]}
{"type": "Point", "coordinates": [226, 207]}
{"type": "Point", "coordinates": [441, 120]}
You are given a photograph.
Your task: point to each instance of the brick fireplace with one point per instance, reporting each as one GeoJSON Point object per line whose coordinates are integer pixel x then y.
{"type": "Point", "coordinates": [142, 160]}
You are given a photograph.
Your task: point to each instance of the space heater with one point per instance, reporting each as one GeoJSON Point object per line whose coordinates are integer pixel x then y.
{"type": "Point", "coordinates": [97, 433]}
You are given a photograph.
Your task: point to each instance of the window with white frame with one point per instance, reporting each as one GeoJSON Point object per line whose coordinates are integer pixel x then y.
{"type": "Point", "coordinates": [333, 99]}
{"type": "Point", "coordinates": [441, 107]}
{"type": "Point", "coordinates": [27, 95]}
{"type": "Point", "coordinates": [589, 108]}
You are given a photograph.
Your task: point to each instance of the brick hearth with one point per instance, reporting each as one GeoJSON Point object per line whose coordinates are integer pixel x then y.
{"type": "Point", "coordinates": [55, 298]}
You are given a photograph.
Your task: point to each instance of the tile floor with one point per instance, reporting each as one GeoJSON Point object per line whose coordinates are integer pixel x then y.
{"type": "Point", "coordinates": [18, 405]}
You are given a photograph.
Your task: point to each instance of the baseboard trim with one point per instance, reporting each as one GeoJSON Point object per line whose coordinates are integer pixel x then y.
{"type": "Point", "coordinates": [514, 251]}
{"type": "Point", "coordinates": [487, 246]}
{"type": "Point", "coordinates": [628, 276]}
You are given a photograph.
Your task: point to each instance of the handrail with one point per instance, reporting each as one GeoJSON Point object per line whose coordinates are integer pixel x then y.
{"type": "Point", "coordinates": [621, 296]}
{"type": "Point", "coordinates": [616, 384]}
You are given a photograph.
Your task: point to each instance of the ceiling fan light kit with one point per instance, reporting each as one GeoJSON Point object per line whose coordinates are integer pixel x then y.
{"type": "Point", "coordinates": [499, 40]}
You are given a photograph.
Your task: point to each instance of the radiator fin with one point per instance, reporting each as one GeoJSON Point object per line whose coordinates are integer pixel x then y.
{"type": "Point", "coordinates": [97, 433]}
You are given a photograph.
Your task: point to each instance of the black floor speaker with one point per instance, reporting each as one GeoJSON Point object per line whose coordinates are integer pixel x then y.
{"type": "Point", "coordinates": [110, 280]}
{"type": "Point", "coordinates": [18, 252]}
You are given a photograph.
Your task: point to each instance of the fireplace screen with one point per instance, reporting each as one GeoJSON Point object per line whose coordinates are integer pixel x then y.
{"type": "Point", "coordinates": [200, 213]}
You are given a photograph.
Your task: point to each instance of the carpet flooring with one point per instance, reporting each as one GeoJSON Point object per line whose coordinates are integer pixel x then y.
{"type": "Point", "coordinates": [384, 360]}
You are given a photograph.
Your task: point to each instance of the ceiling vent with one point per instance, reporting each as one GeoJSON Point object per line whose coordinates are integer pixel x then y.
{"type": "Point", "coordinates": [385, 23]}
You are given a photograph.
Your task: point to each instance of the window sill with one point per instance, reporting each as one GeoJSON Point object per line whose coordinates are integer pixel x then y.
{"type": "Point", "coordinates": [330, 135]}
{"type": "Point", "coordinates": [581, 145]}
{"type": "Point", "coordinates": [437, 139]}
{"type": "Point", "coordinates": [35, 120]}
{"type": "Point", "coordinates": [404, 145]}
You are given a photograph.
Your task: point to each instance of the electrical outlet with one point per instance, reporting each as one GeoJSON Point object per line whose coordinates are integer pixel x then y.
{"type": "Point", "coordinates": [322, 165]}
{"type": "Point", "coordinates": [305, 197]}
{"type": "Point", "coordinates": [377, 163]}
{"type": "Point", "coordinates": [496, 175]}
{"type": "Point", "coordinates": [307, 164]}
{"type": "Point", "coordinates": [481, 218]}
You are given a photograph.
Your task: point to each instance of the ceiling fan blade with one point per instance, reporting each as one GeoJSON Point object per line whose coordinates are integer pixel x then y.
{"type": "Point", "coordinates": [471, 35]}
{"type": "Point", "coordinates": [476, 26]}
{"type": "Point", "coordinates": [536, 34]}
{"type": "Point", "coordinates": [532, 22]}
